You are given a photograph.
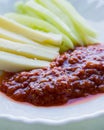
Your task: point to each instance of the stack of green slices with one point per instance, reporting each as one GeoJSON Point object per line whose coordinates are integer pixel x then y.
{"type": "Point", "coordinates": [38, 31]}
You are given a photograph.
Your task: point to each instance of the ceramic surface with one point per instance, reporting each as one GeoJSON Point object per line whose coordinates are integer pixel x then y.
{"type": "Point", "coordinates": [87, 115]}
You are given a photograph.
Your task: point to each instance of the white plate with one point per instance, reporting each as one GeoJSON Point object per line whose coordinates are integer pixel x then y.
{"type": "Point", "coordinates": [87, 115]}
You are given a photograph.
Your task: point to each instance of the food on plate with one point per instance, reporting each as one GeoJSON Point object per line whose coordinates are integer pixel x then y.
{"type": "Point", "coordinates": [13, 63]}
{"type": "Point", "coordinates": [47, 31]}
{"type": "Point", "coordinates": [62, 16]}
{"type": "Point", "coordinates": [76, 73]}
{"type": "Point", "coordinates": [14, 37]}
{"type": "Point", "coordinates": [11, 36]}
{"type": "Point", "coordinates": [36, 35]}
{"type": "Point", "coordinates": [27, 50]}
{"type": "Point", "coordinates": [37, 23]}
{"type": "Point", "coordinates": [49, 54]}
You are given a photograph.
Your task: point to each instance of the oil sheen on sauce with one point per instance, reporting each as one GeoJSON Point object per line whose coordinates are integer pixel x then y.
{"type": "Point", "coordinates": [74, 74]}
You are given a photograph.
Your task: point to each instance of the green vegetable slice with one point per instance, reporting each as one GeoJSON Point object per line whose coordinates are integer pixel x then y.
{"type": "Point", "coordinates": [14, 63]}
{"type": "Point", "coordinates": [49, 4]}
{"type": "Point", "coordinates": [27, 50]}
{"type": "Point", "coordinates": [78, 21]}
{"type": "Point", "coordinates": [35, 35]}
{"type": "Point", "coordinates": [37, 23]}
{"type": "Point", "coordinates": [52, 18]}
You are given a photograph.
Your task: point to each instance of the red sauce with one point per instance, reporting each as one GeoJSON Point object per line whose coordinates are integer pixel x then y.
{"type": "Point", "coordinates": [74, 74]}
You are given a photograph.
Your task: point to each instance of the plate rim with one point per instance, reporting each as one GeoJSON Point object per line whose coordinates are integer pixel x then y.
{"type": "Point", "coordinates": [52, 122]}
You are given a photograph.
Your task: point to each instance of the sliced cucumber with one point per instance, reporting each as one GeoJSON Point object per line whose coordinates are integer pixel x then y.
{"type": "Point", "coordinates": [14, 63]}
{"type": "Point", "coordinates": [38, 36]}
{"type": "Point", "coordinates": [26, 50]}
